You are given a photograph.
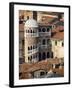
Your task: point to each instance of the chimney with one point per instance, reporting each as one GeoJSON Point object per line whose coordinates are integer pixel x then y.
{"type": "Point", "coordinates": [35, 15]}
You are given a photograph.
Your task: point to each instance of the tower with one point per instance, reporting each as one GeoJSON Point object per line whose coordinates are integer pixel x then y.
{"type": "Point", "coordinates": [31, 41]}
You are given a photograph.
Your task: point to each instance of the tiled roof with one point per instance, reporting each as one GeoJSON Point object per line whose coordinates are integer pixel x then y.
{"type": "Point", "coordinates": [42, 65]}
{"type": "Point", "coordinates": [58, 33]}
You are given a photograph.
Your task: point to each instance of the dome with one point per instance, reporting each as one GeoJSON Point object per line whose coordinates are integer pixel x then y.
{"type": "Point", "coordinates": [31, 23]}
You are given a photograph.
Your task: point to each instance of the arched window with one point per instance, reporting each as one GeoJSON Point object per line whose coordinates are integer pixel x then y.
{"type": "Point", "coordinates": [39, 29]}
{"type": "Point", "coordinates": [28, 58]}
{"type": "Point", "coordinates": [39, 56]}
{"type": "Point", "coordinates": [44, 56]}
{"type": "Point", "coordinates": [31, 47]}
{"type": "Point", "coordinates": [31, 57]}
{"type": "Point", "coordinates": [43, 42]}
{"type": "Point", "coordinates": [22, 42]}
{"type": "Point", "coordinates": [28, 48]}
{"type": "Point", "coordinates": [51, 54]}
{"type": "Point", "coordinates": [47, 29]}
{"type": "Point", "coordinates": [43, 29]}
{"type": "Point", "coordinates": [42, 73]}
{"type": "Point", "coordinates": [56, 43]}
{"type": "Point", "coordinates": [48, 55]}
{"type": "Point", "coordinates": [27, 17]}
{"type": "Point", "coordinates": [28, 31]}
{"type": "Point", "coordinates": [62, 44]}
{"type": "Point", "coordinates": [31, 31]}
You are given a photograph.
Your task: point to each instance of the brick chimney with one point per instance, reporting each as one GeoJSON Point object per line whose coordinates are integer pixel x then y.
{"type": "Point", "coordinates": [35, 15]}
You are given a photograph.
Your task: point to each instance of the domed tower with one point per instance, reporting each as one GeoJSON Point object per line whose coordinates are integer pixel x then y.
{"type": "Point", "coordinates": [31, 41]}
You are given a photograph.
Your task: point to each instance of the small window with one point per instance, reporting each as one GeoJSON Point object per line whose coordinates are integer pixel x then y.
{"type": "Point", "coordinates": [22, 16]}
{"type": "Point", "coordinates": [27, 17]}
{"type": "Point", "coordinates": [47, 29]}
{"type": "Point", "coordinates": [22, 42]}
{"type": "Point", "coordinates": [20, 74]}
{"type": "Point", "coordinates": [39, 29]}
{"type": "Point", "coordinates": [28, 58]}
{"type": "Point", "coordinates": [43, 29]}
{"type": "Point", "coordinates": [28, 31]}
{"type": "Point", "coordinates": [31, 57]}
{"type": "Point", "coordinates": [31, 47]}
{"type": "Point", "coordinates": [42, 73]}
{"type": "Point", "coordinates": [48, 55]}
{"type": "Point", "coordinates": [43, 42]}
{"type": "Point", "coordinates": [28, 48]}
{"type": "Point", "coordinates": [56, 43]}
{"type": "Point", "coordinates": [31, 31]}
{"type": "Point", "coordinates": [62, 44]}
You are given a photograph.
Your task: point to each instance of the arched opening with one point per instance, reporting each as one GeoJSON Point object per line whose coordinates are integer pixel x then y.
{"type": "Point", "coordinates": [39, 56]}
{"type": "Point", "coordinates": [48, 29]}
{"type": "Point", "coordinates": [28, 48]}
{"type": "Point", "coordinates": [39, 29]}
{"type": "Point", "coordinates": [44, 56]}
{"type": "Point", "coordinates": [42, 73]}
{"type": "Point", "coordinates": [62, 44]}
{"type": "Point", "coordinates": [48, 55]}
{"type": "Point", "coordinates": [43, 29]}
{"type": "Point", "coordinates": [43, 42]}
{"type": "Point", "coordinates": [31, 47]}
{"type": "Point", "coordinates": [28, 31]}
{"type": "Point", "coordinates": [31, 31]}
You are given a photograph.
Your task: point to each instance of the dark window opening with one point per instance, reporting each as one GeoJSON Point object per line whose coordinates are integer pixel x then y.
{"type": "Point", "coordinates": [27, 17]}
{"type": "Point", "coordinates": [57, 65]}
{"type": "Point", "coordinates": [31, 31]}
{"type": "Point", "coordinates": [43, 42]}
{"type": "Point", "coordinates": [48, 55]}
{"type": "Point", "coordinates": [62, 44]}
{"type": "Point", "coordinates": [39, 29]}
{"type": "Point", "coordinates": [39, 56]}
{"type": "Point", "coordinates": [22, 16]}
{"type": "Point", "coordinates": [28, 31]}
{"type": "Point", "coordinates": [20, 74]}
{"type": "Point", "coordinates": [31, 57]}
{"type": "Point", "coordinates": [44, 56]}
{"type": "Point", "coordinates": [21, 60]}
{"type": "Point", "coordinates": [28, 58]}
{"type": "Point", "coordinates": [31, 47]}
{"type": "Point", "coordinates": [22, 42]}
{"type": "Point", "coordinates": [51, 54]}
{"type": "Point", "coordinates": [56, 43]}
{"type": "Point", "coordinates": [28, 48]}
{"type": "Point", "coordinates": [42, 73]}
{"type": "Point", "coordinates": [47, 29]}
{"type": "Point", "coordinates": [43, 29]}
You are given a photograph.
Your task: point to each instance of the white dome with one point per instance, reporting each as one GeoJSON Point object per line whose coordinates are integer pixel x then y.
{"type": "Point", "coordinates": [31, 23]}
